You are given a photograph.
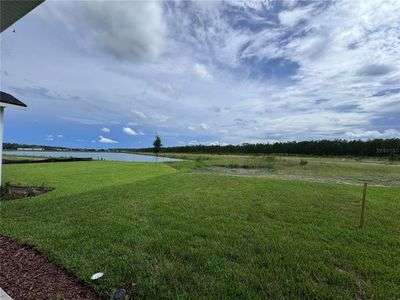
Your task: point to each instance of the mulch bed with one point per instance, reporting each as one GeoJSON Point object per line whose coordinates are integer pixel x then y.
{"type": "Point", "coordinates": [18, 192]}
{"type": "Point", "coordinates": [27, 274]}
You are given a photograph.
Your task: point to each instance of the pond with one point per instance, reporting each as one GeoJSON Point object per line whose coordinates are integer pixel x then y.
{"type": "Point", "coordinates": [114, 156]}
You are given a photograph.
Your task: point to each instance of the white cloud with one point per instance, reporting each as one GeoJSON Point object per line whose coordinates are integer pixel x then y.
{"type": "Point", "coordinates": [213, 143]}
{"type": "Point", "coordinates": [193, 143]}
{"type": "Point", "coordinates": [129, 131]}
{"type": "Point", "coordinates": [138, 114]}
{"type": "Point", "coordinates": [105, 140]}
{"type": "Point", "coordinates": [292, 17]}
{"type": "Point", "coordinates": [141, 132]}
{"type": "Point", "coordinates": [105, 129]}
{"type": "Point", "coordinates": [60, 136]}
{"type": "Point", "coordinates": [204, 126]}
{"type": "Point", "coordinates": [126, 30]}
{"type": "Point", "coordinates": [201, 71]}
{"type": "Point", "coordinates": [372, 134]}
{"type": "Point", "coordinates": [83, 121]}
{"type": "Point", "coordinates": [192, 128]}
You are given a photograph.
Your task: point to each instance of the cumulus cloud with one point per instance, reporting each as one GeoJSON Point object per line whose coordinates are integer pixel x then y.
{"type": "Point", "coordinates": [204, 126]}
{"type": "Point", "coordinates": [49, 137]}
{"type": "Point", "coordinates": [126, 30]}
{"type": "Point", "coordinates": [202, 72]}
{"type": "Point", "coordinates": [138, 114]}
{"type": "Point", "coordinates": [372, 134]}
{"type": "Point", "coordinates": [60, 136]}
{"type": "Point", "coordinates": [193, 143]}
{"type": "Point", "coordinates": [105, 129]}
{"type": "Point", "coordinates": [105, 140]}
{"type": "Point", "coordinates": [292, 17]}
{"type": "Point", "coordinates": [129, 131]}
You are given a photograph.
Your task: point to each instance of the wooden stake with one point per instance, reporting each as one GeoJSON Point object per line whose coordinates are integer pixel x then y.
{"type": "Point", "coordinates": [363, 205]}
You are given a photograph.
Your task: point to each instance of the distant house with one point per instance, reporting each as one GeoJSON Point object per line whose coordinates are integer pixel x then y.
{"type": "Point", "coordinates": [30, 149]}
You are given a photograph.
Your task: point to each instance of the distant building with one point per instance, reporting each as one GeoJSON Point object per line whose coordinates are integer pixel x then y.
{"type": "Point", "coordinates": [30, 149]}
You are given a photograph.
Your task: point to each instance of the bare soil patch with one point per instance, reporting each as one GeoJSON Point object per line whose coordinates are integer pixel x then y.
{"type": "Point", "coordinates": [19, 192]}
{"type": "Point", "coordinates": [258, 172]}
{"type": "Point", "coordinates": [27, 274]}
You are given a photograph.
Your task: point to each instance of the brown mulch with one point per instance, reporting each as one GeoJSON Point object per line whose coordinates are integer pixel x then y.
{"type": "Point", "coordinates": [27, 274]}
{"type": "Point", "coordinates": [19, 192]}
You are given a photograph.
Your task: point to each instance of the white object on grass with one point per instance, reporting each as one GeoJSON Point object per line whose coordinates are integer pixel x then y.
{"type": "Point", "coordinates": [96, 276]}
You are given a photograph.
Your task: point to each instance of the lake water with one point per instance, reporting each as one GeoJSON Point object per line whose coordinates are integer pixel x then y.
{"type": "Point", "coordinates": [114, 156]}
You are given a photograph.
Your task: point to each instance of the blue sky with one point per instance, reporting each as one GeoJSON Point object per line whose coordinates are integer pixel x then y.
{"type": "Point", "coordinates": [113, 74]}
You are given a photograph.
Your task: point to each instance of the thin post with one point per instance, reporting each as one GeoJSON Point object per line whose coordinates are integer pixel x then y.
{"type": "Point", "coordinates": [1, 139]}
{"type": "Point", "coordinates": [364, 195]}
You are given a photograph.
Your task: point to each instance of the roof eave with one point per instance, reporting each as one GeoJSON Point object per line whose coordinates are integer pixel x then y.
{"type": "Point", "coordinates": [12, 11]}
{"type": "Point", "coordinates": [3, 104]}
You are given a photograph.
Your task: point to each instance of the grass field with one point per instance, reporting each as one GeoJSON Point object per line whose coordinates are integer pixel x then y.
{"type": "Point", "coordinates": [318, 169]}
{"type": "Point", "coordinates": [171, 232]}
{"type": "Point", "coordinates": [20, 157]}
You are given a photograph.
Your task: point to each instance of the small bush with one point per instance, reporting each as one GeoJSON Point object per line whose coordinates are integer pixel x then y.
{"type": "Point", "coordinates": [303, 162]}
{"type": "Point", "coordinates": [393, 157]}
{"type": "Point", "coordinates": [30, 192]}
{"type": "Point", "coordinates": [270, 166]}
{"type": "Point", "coordinates": [270, 159]}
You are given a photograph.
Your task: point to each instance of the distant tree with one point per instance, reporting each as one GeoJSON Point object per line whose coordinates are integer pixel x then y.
{"type": "Point", "coordinates": [157, 146]}
{"type": "Point", "coordinates": [377, 147]}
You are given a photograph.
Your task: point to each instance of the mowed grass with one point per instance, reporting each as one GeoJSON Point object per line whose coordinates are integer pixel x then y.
{"type": "Point", "coordinates": [170, 234]}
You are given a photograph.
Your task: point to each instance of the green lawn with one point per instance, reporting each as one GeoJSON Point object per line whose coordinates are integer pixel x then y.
{"type": "Point", "coordinates": [179, 234]}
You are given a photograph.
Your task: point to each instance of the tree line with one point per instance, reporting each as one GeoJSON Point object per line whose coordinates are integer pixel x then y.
{"type": "Point", "coordinates": [375, 147]}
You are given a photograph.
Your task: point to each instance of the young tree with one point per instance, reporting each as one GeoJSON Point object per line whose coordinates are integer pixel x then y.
{"type": "Point", "coordinates": [157, 146]}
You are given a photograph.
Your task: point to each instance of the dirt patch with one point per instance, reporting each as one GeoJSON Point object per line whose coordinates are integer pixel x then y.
{"type": "Point", "coordinates": [27, 274]}
{"type": "Point", "coordinates": [18, 192]}
{"type": "Point", "coordinates": [242, 172]}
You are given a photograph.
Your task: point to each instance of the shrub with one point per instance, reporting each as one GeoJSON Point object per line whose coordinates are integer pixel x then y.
{"type": "Point", "coordinates": [303, 162]}
{"type": "Point", "coordinates": [270, 158]}
{"type": "Point", "coordinates": [393, 157]}
{"type": "Point", "coordinates": [270, 166]}
{"type": "Point", "coordinates": [199, 158]}
{"type": "Point", "coordinates": [30, 192]}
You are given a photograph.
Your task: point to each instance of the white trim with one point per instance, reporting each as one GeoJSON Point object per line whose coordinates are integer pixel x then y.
{"type": "Point", "coordinates": [1, 140]}
{"type": "Point", "coordinates": [4, 295]}
{"type": "Point", "coordinates": [3, 104]}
